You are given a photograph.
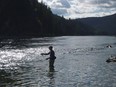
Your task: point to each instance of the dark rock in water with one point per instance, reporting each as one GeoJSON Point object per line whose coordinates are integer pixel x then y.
{"type": "Point", "coordinates": [108, 60]}
{"type": "Point", "coordinates": [109, 46]}
{"type": "Point", "coordinates": [111, 60]}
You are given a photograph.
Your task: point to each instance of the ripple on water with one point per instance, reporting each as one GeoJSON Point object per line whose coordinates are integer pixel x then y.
{"type": "Point", "coordinates": [80, 63]}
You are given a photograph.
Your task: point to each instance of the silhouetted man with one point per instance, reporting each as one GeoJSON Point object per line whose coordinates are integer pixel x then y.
{"type": "Point", "coordinates": [51, 58]}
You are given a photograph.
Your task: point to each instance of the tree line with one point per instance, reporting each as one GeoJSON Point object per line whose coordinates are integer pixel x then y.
{"type": "Point", "coordinates": [30, 18]}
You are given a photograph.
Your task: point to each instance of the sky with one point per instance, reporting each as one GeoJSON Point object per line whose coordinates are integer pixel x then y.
{"type": "Point", "coordinates": [81, 8]}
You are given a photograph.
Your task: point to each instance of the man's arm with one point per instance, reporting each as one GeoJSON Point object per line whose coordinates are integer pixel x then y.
{"type": "Point", "coordinates": [45, 53]}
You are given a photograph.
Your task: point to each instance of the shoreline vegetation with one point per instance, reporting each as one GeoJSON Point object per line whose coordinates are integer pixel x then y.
{"type": "Point", "coordinates": [28, 37]}
{"type": "Point", "coordinates": [29, 18]}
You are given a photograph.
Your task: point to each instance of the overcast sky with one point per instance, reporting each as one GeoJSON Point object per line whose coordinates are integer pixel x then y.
{"type": "Point", "coordinates": [81, 8]}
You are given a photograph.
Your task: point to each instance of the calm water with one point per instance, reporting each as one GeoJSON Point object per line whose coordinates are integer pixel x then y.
{"type": "Point", "coordinates": [80, 62]}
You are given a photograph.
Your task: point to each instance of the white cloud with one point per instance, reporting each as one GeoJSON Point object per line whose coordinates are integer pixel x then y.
{"type": "Point", "coordinates": [81, 8]}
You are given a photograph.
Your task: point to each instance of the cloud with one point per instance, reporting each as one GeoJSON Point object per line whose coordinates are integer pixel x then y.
{"type": "Point", "coordinates": [59, 11]}
{"type": "Point", "coordinates": [81, 8]}
{"type": "Point", "coordinates": [65, 3]}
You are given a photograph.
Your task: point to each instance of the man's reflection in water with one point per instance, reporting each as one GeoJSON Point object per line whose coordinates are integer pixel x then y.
{"type": "Point", "coordinates": [51, 75]}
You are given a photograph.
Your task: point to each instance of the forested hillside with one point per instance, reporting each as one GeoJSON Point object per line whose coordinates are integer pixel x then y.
{"type": "Point", "coordinates": [30, 18]}
{"type": "Point", "coordinates": [102, 25]}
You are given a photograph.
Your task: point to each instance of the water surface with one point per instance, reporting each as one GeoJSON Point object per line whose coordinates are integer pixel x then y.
{"type": "Point", "coordinates": [81, 62]}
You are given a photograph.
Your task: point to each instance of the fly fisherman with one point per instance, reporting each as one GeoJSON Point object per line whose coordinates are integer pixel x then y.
{"type": "Point", "coordinates": [51, 58]}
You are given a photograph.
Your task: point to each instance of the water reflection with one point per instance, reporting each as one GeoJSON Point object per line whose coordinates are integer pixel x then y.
{"type": "Point", "coordinates": [51, 76]}
{"type": "Point", "coordinates": [79, 62]}
{"type": "Point", "coordinates": [18, 43]}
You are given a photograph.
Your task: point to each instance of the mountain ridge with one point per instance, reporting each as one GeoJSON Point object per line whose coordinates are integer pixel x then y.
{"type": "Point", "coordinates": [103, 25]}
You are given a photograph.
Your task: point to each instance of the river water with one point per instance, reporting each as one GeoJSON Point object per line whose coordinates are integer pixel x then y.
{"type": "Point", "coordinates": [80, 62]}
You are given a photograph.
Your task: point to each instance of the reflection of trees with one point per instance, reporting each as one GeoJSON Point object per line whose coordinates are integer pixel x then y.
{"type": "Point", "coordinates": [12, 43]}
{"type": "Point", "coordinates": [19, 43]}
